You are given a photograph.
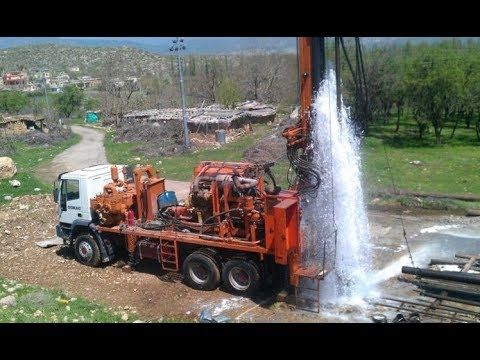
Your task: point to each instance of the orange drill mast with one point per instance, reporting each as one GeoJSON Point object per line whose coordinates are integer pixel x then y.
{"type": "Point", "coordinates": [311, 67]}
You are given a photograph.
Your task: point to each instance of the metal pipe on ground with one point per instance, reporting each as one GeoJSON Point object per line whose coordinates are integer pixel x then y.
{"type": "Point", "coordinates": [454, 262]}
{"type": "Point", "coordinates": [449, 298]}
{"type": "Point", "coordinates": [463, 256]}
{"type": "Point", "coordinates": [445, 275]}
{"type": "Point", "coordinates": [451, 286]}
{"type": "Point", "coordinates": [447, 262]}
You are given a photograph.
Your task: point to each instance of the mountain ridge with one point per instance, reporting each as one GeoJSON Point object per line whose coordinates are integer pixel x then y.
{"type": "Point", "coordinates": [199, 45]}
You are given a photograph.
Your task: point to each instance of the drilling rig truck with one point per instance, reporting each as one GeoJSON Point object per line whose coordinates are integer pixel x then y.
{"type": "Point", "coordinates": [236, 228]}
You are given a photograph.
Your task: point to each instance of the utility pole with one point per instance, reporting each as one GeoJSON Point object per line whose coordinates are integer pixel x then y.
{"type": "Point", "coordinates": [177, 46]}
{"type": "Point", "coordinates": [46, 97]}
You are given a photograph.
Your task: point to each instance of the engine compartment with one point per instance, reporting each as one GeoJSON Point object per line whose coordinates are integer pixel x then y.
{"type": "Point", "coordinates": [226, 199]}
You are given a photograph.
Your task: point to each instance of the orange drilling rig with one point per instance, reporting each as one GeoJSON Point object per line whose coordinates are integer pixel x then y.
{"type": "Point", "coordinates": [236, 228]}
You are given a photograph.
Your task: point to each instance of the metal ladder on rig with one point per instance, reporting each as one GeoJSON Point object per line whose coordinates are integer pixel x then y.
{"type": "Point", "coordinates": [311, 275]}
{"type": "Point", "coordinates": [167, 253]}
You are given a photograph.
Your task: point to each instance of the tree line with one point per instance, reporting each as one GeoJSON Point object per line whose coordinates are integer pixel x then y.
{"type": "Point", "coordinates": [54, 106]}
{"type": "Point", "coordinates": [225, 79]}
{"type": "Point", "coordinates": [437, 84]}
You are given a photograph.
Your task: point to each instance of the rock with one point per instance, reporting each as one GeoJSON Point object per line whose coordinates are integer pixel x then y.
{"type": "Point", "coordinates": [8, 301]}
{"type": "Point", "coordinates": [38, 313]}
{"type": "Point", "coordinates": [127, 269]}
{"type": "Point", "coordinates": [124, 316]}
{"type": "Point", "coordinates": [137, 159]}
{"type": "Point", "coordinates": [36, 189]}
{"type": "Point", "coordinates": [7, 232]}
{"type": "Point", "coordinates": [7, 168]}
{"type": "Point", "coordinates": [473, 212]}
{"type": "Point", "coordinates": [14, 183]}
{"type": "Point", "coordinates": [7, 198]}
{"type": "Point", "coordinates": [119, 264]}
{"type": "Point", "coordinates": [24, 207]}
{"type": "Point", "coordinates": [295, 113]}
{"type": "Point", "coordinates": [415, 162]}
{"type": "Point", "coordinates": [138, 322]}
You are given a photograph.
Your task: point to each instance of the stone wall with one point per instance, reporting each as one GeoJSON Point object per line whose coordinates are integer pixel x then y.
{"type": "Point", "coordinates": [13, 128]}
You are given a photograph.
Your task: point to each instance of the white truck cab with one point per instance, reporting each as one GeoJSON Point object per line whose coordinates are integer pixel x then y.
{"type": "Point", "coordinates": [73, 191]}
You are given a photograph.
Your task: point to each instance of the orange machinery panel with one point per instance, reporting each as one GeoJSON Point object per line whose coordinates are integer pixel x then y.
{"type": "Point", "coordinates": [286, 233]}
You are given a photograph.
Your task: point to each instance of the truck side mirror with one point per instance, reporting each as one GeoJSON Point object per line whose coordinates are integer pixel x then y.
{"type": "Point", "coordinates": [55, 191]}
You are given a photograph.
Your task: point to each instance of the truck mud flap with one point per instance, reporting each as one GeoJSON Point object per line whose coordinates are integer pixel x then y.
{"type": "Point", "coordinates": [106, 256]}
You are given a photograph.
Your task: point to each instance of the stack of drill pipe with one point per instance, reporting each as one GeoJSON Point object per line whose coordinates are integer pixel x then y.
{"type": "Point", "coordinates": [459, 262]}
{"type": "Point", "coordinates": [460, 286]}
{"type": "Point", "coordinates": [457, 276]}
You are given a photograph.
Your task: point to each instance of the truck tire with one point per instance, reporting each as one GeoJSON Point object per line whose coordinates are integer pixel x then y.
{"type": "Point", "coordinates": [240, 277]}
{"type": "Point", "coordinates": [87, 251]}
{"type": "Point", "coordinates": [201, 272]}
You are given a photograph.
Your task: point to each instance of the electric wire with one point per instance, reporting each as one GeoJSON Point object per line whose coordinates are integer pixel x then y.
{"type": "Point", "coordinates": [401, 217]}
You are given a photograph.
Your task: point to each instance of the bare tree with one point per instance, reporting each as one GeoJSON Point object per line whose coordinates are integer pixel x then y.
{"type": "Point", "coordinates": [118, 89]}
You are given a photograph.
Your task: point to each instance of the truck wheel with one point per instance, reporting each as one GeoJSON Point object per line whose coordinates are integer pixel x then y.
{"type": "Point", "coordinates": [87, 251]}
{"type": "Point", "coordinates": [240, 277]}
{"type": "Point", "coordinates": [201, 272]}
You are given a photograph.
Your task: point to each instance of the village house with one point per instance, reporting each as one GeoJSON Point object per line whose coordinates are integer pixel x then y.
{"type": "Point", "coordinates": [14, 78]}
{"type": "Point", "coordinates": [62, 79]}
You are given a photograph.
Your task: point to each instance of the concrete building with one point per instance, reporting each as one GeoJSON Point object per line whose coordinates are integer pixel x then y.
{"type": "Point", "coordinates": [14, 78]}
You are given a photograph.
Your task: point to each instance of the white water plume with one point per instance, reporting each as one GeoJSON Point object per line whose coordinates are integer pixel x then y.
{"type": "Point", "coordinates": [338, 204]}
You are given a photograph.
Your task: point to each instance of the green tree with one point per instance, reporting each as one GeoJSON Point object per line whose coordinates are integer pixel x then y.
{"type": "Point", "coordinates": [91, 104]}
{"type": "Point", "coordinates": [37, 107]}
{"type": "Point", "coordinates": [434, 86]}
{"type": "Point", "coordinates": [229, 93]}
{"type": "Point", "coordinates": [13, 101]}
{"type": "Point", "coordinates": [69, 100]}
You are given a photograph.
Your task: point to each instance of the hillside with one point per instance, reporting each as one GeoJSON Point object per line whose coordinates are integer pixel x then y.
{"type": "Point", "coordinates": [88, 59]}
{"type": "Point", "coordinates": [161, 45]}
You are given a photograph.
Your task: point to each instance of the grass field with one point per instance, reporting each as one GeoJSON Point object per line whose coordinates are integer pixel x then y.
{"type": "Point", "coordinates": [26, 159]}
{"type": "Point", "coordinates": [451, 168]}
{"type": "Point", "coordinates": [35, 304]}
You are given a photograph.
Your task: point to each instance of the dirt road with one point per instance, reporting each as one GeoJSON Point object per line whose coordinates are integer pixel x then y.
{"type": "Point", "coordinates": [90, 151]}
